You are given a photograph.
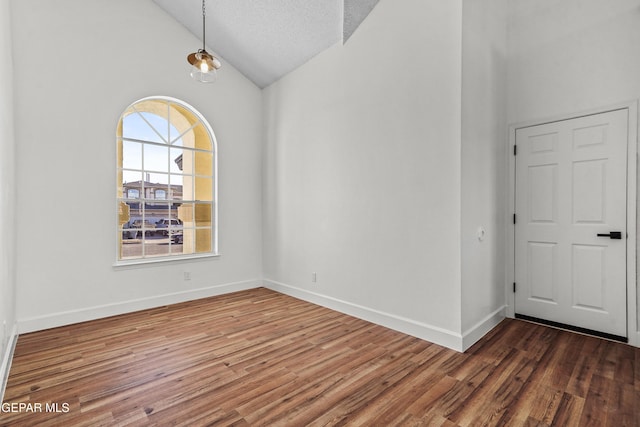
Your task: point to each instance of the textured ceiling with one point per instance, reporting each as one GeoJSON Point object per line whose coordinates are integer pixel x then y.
{"type": "Point", "coordinates": [266, 39]}
{"type": "Point", "coordinates": [355, 11]}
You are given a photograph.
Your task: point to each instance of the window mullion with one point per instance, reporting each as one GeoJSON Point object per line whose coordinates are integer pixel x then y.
{"type": "Point", "coordinates": [185, 132]}
{"type": "Point", "coordinates": [162, 144]}
{"type": "Point", "coordinates": [152, 127]}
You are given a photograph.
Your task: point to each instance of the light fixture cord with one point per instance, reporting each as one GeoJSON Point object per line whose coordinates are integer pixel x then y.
{"type": "Point", "coordinates": [203, 26]}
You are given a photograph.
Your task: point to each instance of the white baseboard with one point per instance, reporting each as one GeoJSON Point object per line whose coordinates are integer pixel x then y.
{"type": "Point", "coordinates": [480, 329]}
{"type": "Point", "coordinates": [6, 360]}
{"type": "Point", "coordinates": [411, 327]}
{"type": "Point", "coordinates": [53, 320]}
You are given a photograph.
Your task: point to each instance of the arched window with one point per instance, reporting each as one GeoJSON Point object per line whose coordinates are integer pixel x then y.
{"type": "Point", "coordinates": [166, 180]}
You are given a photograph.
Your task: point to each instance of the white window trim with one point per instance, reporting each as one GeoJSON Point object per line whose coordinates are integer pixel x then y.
{"type": "Point", "coordinates": [214, 203]}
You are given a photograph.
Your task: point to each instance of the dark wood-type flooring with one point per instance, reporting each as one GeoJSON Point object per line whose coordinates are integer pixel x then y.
{"type": "Point", "coordinates": [261, 358]}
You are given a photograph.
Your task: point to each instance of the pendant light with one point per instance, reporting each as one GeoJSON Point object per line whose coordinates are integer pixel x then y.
{"type": "Point", "coordinates": [203, 64]}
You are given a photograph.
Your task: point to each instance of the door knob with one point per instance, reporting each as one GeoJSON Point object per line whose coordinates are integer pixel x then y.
{"type": "Point", "coordinates": [612, 235]}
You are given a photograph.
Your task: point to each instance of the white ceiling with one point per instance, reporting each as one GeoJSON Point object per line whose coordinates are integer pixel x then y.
{"type": "Point", "coordinates": [266, 39]}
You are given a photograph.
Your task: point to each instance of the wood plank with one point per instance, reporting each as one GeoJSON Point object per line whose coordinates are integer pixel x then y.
{"type": "Point", "coordinates": [569, 411]}
{"type": "Point", "coordinates": [261, 358]}
{"type": "Point", "coordinates": [595, 410]}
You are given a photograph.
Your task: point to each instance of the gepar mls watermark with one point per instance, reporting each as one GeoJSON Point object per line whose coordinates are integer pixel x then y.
{"type": "Point", "coordinates": [34, 407]}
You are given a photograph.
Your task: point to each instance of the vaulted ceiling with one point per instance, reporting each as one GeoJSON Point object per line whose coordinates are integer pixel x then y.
{"type": "Point", "coordinates": [266, 39]}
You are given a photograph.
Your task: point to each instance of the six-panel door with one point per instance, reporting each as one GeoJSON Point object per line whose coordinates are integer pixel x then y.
{"type": "Point", "coordinates": [570, 187]}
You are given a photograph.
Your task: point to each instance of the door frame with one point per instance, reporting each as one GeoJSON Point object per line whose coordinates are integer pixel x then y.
{"type": "Point", "coordinates": [633, 328]}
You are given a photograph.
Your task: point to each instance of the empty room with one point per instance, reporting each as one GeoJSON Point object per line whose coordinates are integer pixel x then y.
{"type": "Point", "coordinates": [319, 212]}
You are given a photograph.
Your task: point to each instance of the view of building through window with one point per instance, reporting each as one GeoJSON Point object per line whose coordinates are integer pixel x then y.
{"type": "Point", "coordinates": [166, 181]}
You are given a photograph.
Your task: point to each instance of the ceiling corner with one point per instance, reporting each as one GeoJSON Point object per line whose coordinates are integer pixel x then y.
{"type": "Point", "coordinates": [355, 11]}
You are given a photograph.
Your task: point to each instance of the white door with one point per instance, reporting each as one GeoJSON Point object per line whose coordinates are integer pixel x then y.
{"type": "Point", "coordinates": [571, 186]}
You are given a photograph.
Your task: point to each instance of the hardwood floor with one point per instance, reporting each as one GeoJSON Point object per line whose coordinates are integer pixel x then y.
{"type": "Point", "coordinates": [261, 358]}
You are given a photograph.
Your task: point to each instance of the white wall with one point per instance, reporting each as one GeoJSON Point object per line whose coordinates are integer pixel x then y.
{"type": "Point", "coordinates": [568, 57]}
{"type": "Point", "coordinates": [381, 157]}
{"type": "Point", "coordinates": [484, 162]}
{"type": "Point", "coordinates": [362, 172]}
{"type": "Point", "coordinates": [7, 192]}
{"type": "Point", "coordinates": [100, 56]}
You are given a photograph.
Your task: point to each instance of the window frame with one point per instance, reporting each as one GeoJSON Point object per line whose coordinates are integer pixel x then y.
{"type": "Point", "coordinates": [121, 197]}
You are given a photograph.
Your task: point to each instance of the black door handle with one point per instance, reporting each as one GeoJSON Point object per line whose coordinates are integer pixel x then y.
{"type": "Point", "coordinates": [612, 235]}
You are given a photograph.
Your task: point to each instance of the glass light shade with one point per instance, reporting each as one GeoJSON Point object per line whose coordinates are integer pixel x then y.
{"type": "Point", "coordinates": [203, 66]}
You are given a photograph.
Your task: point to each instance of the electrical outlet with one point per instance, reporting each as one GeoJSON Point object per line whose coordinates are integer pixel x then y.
{"type": "Point", "coordinates": [314, 277]}
{"type": "Point", "coordinates": [187, 275]}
